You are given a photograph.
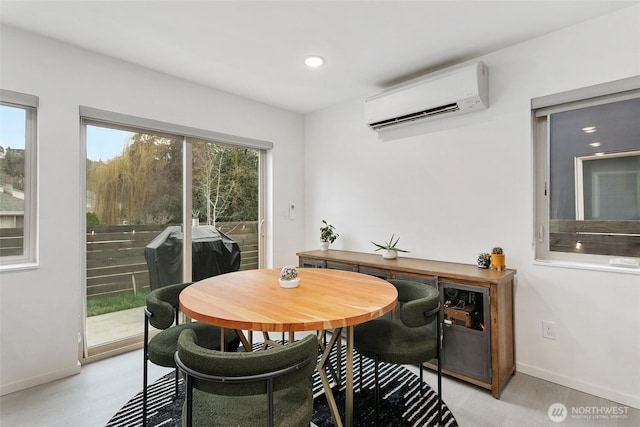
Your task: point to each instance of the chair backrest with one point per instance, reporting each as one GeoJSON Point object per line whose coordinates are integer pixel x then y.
{"type": "Point", "coordinates": [240, 373]}
{"type": "Point", "coordinates": [418, 302]}
{"type": "Point", "coordinates": [162, 304]}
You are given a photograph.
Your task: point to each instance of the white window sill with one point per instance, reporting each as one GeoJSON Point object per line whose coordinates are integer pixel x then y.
{"type": "Point", "coordinates": [587, 266]}
{"type": "Point", "coordinates": [27, 265]}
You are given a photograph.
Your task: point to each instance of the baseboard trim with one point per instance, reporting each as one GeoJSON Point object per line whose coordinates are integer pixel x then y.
{"type": "Point", "coordinates": [594, 389]}
{"type": "Point", "coordinates": [40, 379]}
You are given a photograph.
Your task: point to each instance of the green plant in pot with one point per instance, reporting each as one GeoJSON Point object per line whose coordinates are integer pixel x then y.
{"type": "Point", "coordinates": [484, 260]}
{"type": "Point", "coordinates": [328, 235]}
{"type": "Point", "coordinates": [389, 249]}
{"type": "Point", "coordinates": [289, 277]}
{"type": "Point", "coordinates": [498, 259]}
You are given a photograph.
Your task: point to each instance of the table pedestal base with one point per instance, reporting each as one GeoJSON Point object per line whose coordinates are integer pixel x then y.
{"type": "Point", "coordinates": [324, 365]}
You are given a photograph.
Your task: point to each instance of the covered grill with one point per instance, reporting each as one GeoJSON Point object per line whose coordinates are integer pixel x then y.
{"type": "Point", "coordinates": [213, 253]}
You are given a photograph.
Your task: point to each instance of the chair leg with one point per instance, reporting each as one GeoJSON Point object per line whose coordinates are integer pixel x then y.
{"type": "Point", "coordinates": [439, 395]}
{"type": "Point", "coordinates": [270, 410]}
{"type": "Point", "coordinates": [189, 400]}
{"type": "Point", "coordinates": [176, 391]}
{"type": "Point", "coordinates": [438, 353]}
{"type": "Point", "coordinates": [144, 372]}
{"type": "Point", "coordinates": [144, 392]}
{"type": "Point", "coordinates": [377, 391]}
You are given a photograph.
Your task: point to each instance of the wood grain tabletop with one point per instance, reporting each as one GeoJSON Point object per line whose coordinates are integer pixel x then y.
{"type": "Point", "coordinates": [253, 300]}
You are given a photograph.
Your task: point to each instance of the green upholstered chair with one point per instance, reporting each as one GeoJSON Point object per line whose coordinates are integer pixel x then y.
{"type": "Point", "coordinates": [262, 388]}
{"type": "Point", "coordinates": [404, 340]}
{"type": "Point", "coordinates": [162, 312]}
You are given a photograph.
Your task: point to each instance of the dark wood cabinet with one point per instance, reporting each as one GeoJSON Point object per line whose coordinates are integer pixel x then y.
{"type": "Point", "coordinates": [478, 334]}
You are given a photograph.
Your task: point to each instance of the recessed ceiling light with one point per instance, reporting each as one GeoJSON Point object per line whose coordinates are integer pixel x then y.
{"type": "Point", "coordinates": [595, 144]}
{"type": "Point", "coordinates": [314, 61]}
{"type": "Point", "coordinates": [589, 129]}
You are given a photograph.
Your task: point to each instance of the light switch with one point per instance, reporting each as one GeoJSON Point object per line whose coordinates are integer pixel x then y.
{"type": "Point", "coordinates": [292, 211]}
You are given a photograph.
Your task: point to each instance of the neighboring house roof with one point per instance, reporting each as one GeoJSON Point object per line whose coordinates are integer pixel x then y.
{"type": "Point", "coordinates": [8, 203]}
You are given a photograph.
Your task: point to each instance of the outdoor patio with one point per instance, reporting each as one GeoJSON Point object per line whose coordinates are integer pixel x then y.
{"type": "Point", "coordinates": [110, 327]}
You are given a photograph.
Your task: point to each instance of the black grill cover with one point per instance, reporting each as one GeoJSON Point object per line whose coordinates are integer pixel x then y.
{"type": "Point", "coordinates": [213, 253]}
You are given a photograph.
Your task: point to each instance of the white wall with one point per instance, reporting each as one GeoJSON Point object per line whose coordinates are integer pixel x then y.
{"type": "Point", "coordinates": [39, 308]}
{"type": "Point", "coordinates": [459, 186]}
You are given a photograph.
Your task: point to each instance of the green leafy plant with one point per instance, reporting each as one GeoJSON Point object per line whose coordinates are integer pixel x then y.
{"type": "Point", "coordinates": [289, 273]}
{"type": "Point", "coordinates": [390, 245]}
{"type": "Point", "coordinates": [92, 219]}
{"type": "Point", "coordinates": [484, 256]}
{"type": "Point", "coordinates": [328, 232]}
{"type": "Point", "coordinates": [497, 250]}
{"type": "Point", "coordinates": [484, 260]}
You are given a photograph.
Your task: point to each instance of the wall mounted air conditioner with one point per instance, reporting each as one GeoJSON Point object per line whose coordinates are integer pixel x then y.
{"type": "Point", "coordinates": [446, 93]}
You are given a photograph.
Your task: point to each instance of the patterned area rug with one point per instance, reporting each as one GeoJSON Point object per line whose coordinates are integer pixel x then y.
{"type": "Point", "coordinates": [401, 405]}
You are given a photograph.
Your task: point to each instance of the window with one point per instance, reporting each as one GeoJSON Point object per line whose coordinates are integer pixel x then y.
{"type": "Point", "coordinates": [608, 186]}
{"type": "Point", "coordinates": [587, 184]}
{"type": "Point", "coordinates": [17, 179]}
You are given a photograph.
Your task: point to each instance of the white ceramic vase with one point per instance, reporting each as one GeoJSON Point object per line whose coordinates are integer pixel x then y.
{"type": "Point", "coordinates": [389, 254]}
{"type": "Point", "coordinates": [324, 246]}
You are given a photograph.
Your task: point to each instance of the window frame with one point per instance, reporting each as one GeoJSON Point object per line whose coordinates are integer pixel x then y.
{"type": "Point", "coordinates": [541, 109]}
{"type": "Point", "coordinates": [29, 257]}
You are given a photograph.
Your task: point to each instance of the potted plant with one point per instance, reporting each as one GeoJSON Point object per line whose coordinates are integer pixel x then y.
{"type": "Point", "coordinates": [328, 235]}
{"type": "Point", "coordinates": [497, 259]}
{"type": "Point", "coordinates": [389, 249]}
{"type": "Point", "coordinates": [195, 217]}
{"type": "Point", "coordinates": [289, 277]}
{"type": "Point", "coordinates": [484, 260]}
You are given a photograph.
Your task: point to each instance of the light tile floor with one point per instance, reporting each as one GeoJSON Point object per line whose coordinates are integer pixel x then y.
{"type": "Point", "coordinates": [90, 398]}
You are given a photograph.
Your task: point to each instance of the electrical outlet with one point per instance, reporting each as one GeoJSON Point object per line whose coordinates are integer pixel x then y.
{"type": "Point", "coordinates": [549, 330]}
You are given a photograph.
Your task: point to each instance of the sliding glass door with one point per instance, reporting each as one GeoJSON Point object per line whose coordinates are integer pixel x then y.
{"type": "Point", "coordinates": [145, 191]}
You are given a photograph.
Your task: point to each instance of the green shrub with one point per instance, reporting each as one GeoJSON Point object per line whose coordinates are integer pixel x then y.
{"type": "Point", "coordinates": [92, 219]}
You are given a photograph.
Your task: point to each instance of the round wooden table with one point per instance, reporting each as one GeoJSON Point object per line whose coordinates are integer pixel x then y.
{"type": "Point", "coordinates": [325, 299]}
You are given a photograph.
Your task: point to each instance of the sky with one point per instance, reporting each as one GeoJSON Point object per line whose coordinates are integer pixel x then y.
{"type": "Point", "coordinates": [12, 127]}
{"type": "Point", "coordinates": [102, 143]}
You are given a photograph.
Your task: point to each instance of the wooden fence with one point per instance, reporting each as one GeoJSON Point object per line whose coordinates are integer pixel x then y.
{"type": "Point", "coordinates": [115, 255]}
{"type": "Point", "coordinates": [619, 238]}
{"type": "Point", "coordinates": [11, 241]}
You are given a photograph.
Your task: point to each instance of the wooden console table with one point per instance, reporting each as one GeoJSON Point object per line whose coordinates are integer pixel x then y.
{"type": "Point", "coordinates": [482, 354]}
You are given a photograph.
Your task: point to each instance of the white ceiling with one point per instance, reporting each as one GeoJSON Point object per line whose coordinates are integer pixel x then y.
{"type": "Point", "coordinates": [256, 49]}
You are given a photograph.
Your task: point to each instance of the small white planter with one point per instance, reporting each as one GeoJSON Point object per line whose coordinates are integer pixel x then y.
{"type": "Point", "coordinates": [324, 246]}
{"type": "Point", "coordinates": [290, 283]}
{"type": "Point", "coordinates": [389, 254]}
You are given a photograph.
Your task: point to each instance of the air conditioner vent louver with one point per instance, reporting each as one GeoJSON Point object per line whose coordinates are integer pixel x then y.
{"type": "Point", "coordinates": [415, 116]}
{"type": "Point", "coordinates": [449, 92]}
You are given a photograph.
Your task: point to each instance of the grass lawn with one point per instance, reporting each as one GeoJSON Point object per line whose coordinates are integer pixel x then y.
{"type": "Point", "coordinates": [109, 304]}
